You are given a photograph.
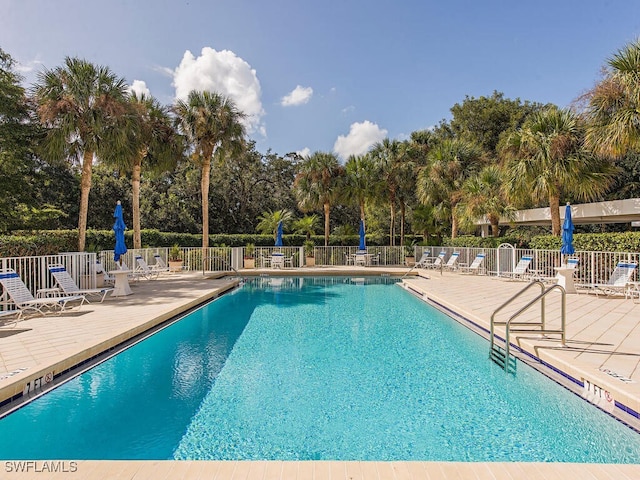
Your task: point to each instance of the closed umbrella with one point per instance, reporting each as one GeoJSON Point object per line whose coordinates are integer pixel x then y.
{"type": "Point", "coordinates": [279, 235]}
{"type": "Point", "coordinates": [363, 245]}
{"type": "Point", "coordinates": [567, 235]}
{"type": "Point", "coordinates": [118, 229]}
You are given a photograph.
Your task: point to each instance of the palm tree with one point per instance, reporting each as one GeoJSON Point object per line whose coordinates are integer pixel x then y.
{"type": "Point", "coordinates": [307, 225]}
{"type": "Point", "coordinates": [361, 181]}
{"type": "Point", "coordinates": [83, 107]}
{"type": "Point", "coordinates": [318, 184]}
{"type": "Point", "coordinates": [546, 161]}
{"type": "Point", "coordinates": [614, 106]}
{"type": "Point", "coordinates": [156, 145]}
{"type": "Point", "coordinates": [482, 194]}
{"type": "Point", "coordinates": [211, 123]}
{"type": "Point", "coordinates": [440, 183]}
{"type": "Point", "coordinates": [269, 221]}
{"type": "Point", "coordinates": [394, 163]}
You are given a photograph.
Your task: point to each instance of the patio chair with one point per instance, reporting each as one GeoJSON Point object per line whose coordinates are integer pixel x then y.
{"type": "Point", "coordinates": [160, 266]}
{"type": "Point", "coordinates": [133, 275]}
{"type": "Point", "coordinates": [438, 261]}
{"type": "Point", "coordinates": [265, 262]}
{"type": "Point", "coordinates": [475, 265]}
{"type": "Point", "coordinates": [68, 285]}
{"type": "Point", "coordinates": [144, 270]}
{"type": "Point", "coordinates": [521, 270]}
{"type": "Point", "coordinates": [99, 269]}
{"type": "Point", "coordinates": [617, 283]}
{"type": "Point", "coordinates": [288, 261]}
{"type": "Point", "coordinates": [452, 263]}
{"type": "Point", "coordinates": [349, 259]}
{"type": "Point", "coordinates": [427, 261]}
{"type": "Point", "coordinates": [26, 302]}
{"type": "Point", "coordinates": [5, 317]}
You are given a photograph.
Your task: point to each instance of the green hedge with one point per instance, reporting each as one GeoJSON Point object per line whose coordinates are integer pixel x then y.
{"type": "Point", "coordinates": [484, 242]}
{"type": "Point", "coordinates": [51, 242]}
{"type": "Point", "coordinates": [598, 242]}
{"type": "Point", "coordinates": [594, 242]}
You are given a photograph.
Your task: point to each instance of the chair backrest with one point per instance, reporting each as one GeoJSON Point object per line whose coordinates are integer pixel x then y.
{"type": "Point", "coordinates": [63, 279]}
{"type": "Point", "coordinates": [453, 259]}
{"type": "Point", "coordinates": [423, 258]}
{"type": "Point", "coordinates": [142, 264]}
{"type": "Point", "coordinates": [159, 261]}
{"type": "Point", "coordinates": [15, 287]}
{"type": "Point", "coordinates": [477, 261]}
{"type": "Point", "coordinates": [622, 273]}
{"type": "Point", "coordinates": [523, 264]}
{"type": "Point", "coordinates": [440, 258]}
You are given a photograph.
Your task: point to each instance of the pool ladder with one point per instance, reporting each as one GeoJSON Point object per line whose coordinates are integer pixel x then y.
{"type": "Point", "coordinates": [224, 263]}
{"type": "Point", "coordinates": [502, 356]}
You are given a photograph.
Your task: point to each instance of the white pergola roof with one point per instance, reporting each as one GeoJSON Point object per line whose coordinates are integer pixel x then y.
{"type": "Point", "coordinates": [614, 211]}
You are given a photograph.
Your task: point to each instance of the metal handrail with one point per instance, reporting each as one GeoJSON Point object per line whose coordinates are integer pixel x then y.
{"type": "Point", "coordinates": [224, 262]}
{"type": "Point", "coordinates": [543, 330]}
{"type": "Point", "coordinates": [509, 300]}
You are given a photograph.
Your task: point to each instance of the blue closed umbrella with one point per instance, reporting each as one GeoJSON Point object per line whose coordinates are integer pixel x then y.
{"type": "Point", "coordinates": [118, 228]}
{"type": "Point", "coordinates": [567, 233]}
{"type": "Point", "coordinates": [363, 245]}
{"type": "Point", "coordinates": [279, 235]}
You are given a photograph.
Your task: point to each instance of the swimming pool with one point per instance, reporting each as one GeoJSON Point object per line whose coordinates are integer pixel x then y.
{"type": "Point", "coordinates": [314, 368]}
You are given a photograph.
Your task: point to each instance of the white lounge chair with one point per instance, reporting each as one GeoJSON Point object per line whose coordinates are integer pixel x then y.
{"type": "Point", "coordinates": [5, 317]}
{"type": "Point", "coordinates": [68, 285]}
{"type": "Point", "coordinates": [520, 272]}
{"type": "Point", "coordinates": [160, 265]}
{"type": "Point", "coordinates": [427, 261]}
{"type": "Point", "coordinates": [144, 270]}
{"type": "Point", "coordinates": [617, 283]}
{"type": "Point", "coordinates": [452, 263]}
{"type": "Point", "coordinates": [475, 265]}
{"type": "Point", "coordinates": [26, 302]}
{"type": "Point", "coordinates": [99, 269]}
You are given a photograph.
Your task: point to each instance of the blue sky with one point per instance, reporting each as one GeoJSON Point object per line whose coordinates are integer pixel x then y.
{"type": "Point", "coordinates": [331, 75]}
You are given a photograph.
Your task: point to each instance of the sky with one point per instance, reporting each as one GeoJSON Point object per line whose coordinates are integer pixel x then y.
{"type": "Point", "coordinates": [331, 75]}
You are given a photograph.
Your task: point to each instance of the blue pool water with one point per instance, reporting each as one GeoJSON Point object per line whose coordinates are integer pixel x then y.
{"type": "Point", "coordinates": [314, 368]}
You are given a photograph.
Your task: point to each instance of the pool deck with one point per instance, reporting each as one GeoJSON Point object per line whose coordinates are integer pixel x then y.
{"type": "Point", "coordinates": [602, 346]}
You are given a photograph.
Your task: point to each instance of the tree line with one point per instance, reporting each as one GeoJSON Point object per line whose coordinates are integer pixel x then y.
{"type": "Point", "coordinates": [80, 139]}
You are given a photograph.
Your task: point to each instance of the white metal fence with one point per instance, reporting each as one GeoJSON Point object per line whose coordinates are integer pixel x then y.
{"type": "Point", "coordinates": [593, 267]}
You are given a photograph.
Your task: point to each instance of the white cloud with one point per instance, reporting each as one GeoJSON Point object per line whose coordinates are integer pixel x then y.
{"type": "Point", "coordinates": [225, 73]}
{"type": "Point", "coordinates": [299, 96]}
{"type": "Point", "coordinates": [140, 88]}
{"type": "Point", "coordinates": [360, 138]}
{"type": "Point", "coordinates": [349, 109]}
{"type": "Point", "coordinates": [305, 152]}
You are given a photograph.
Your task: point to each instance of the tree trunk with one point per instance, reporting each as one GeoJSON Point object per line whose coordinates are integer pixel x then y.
{"type": "Point", "coordinates": [392, 223]}
{"type": "Point", "coordinates": [454, 226]}
{"type": "Point", "coordinates": [362, 211]}
{"type": "Point", "coordinates": [327, 208]}
{"type": "Point", "coordinates": [554, 207]}
{"type": "Point", "coordinates": [135, 188]}
{"type": "Point", "coordinates": [85, 187]}
{"type": "Point", "coordinates": [494, 221]}
{"type": "Point", "coordinates": [403, 211]}
{"type": "Point", "coordinates": [204, 188]}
